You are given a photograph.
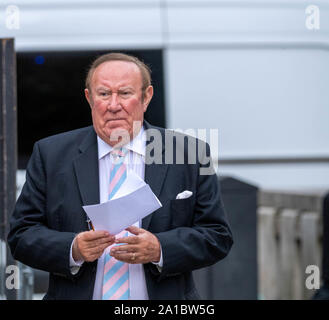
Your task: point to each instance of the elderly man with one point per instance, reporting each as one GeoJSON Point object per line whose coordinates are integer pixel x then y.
{"type": "Point", "coordinates": [152, 259]}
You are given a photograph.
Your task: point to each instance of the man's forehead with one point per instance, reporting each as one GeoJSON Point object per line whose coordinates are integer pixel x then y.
{"type": "Point", "coordinates": [124, 72]}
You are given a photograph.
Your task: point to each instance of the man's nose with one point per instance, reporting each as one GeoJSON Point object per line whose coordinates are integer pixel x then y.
{"type": "Point", "coordinates": [114, 103]}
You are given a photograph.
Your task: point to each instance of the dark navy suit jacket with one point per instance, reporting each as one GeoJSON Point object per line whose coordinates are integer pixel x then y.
{"type": "Point", "coordinates": [62, 176]}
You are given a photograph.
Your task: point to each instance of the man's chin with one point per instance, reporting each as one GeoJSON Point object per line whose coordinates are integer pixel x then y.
{"type": "Point", "coordinates": [119, 135]}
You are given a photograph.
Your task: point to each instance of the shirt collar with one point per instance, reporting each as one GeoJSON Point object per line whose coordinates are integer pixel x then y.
{"type": "Point", "coordinates": [136, 145]}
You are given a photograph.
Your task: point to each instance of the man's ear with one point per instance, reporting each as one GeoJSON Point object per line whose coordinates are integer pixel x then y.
{"type": "Point", "coordinates": [147, 97]}
{"type": "Point", "coordinates": [88, 97]}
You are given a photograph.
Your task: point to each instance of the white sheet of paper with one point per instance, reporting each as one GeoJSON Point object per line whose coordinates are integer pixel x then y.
{"type": "Point", "coordinates": [133, 201]}
{"type": "Point", "coordinates": [131, 184]}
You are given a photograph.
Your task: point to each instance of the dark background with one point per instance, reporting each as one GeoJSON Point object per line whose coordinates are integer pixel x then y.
{"type": "Point", "coordinates": [50, 94]}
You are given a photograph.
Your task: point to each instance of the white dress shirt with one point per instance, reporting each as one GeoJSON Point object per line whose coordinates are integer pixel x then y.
{"type": "Point", "coordinates": [135, 161]}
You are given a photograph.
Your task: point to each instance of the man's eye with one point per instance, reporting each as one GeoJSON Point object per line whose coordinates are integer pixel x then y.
{"type": "Point", "coordinates": [103, 94]}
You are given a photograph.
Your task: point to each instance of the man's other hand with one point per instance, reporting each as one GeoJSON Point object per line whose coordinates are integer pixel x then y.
{"type": "Point", "coordinates": [142, 247]}
{"type": "Point", "coordinates": [89, 245]}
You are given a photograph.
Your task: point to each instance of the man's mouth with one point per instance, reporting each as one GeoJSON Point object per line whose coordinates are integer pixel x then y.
{"type": "Point", "coordinates": [120, 119]}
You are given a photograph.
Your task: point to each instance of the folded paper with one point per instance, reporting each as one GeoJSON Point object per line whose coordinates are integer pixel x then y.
{"type": "Point", "coordinates": [134, 201]}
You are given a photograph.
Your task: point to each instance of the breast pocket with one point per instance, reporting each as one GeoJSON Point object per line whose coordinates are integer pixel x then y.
{"type": "Point", "coordinates": [182, 212]}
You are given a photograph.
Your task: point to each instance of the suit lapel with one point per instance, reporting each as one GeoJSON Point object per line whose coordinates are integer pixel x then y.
{"type": "Point", "coordinates": [155, 174]}
{"type": "Point", "coordinates": [86, 169]}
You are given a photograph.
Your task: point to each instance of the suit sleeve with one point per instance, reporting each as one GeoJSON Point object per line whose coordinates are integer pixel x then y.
{"type": "Point", "coordinates": [208, 240]}
{"type": "Point", "coordinates": [30, 239]}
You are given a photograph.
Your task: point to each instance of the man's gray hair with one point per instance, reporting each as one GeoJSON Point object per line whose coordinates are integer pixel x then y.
{"type": "Point", "coordinates": [116, 56]}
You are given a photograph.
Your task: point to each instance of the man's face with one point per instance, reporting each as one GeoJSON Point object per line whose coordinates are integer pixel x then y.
{"type": "Point", "coordinates": [115, 98]}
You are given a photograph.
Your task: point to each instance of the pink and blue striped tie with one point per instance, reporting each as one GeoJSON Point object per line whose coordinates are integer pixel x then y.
{"type": "Point", "coordinates": [116, 273]}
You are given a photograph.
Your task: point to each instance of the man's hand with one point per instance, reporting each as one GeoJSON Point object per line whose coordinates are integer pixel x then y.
{"type": "Point", "coordinates": [89, 245]}
{"type": "Point", "coordinates": [143, 247]}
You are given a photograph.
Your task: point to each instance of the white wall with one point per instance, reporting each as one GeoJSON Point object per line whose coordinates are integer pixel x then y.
{"type": "Point", "coordinates": [84, 24]}
{"type": "Point", "coordinates": [254, 71]}
{"type": "Point", "coordinates": [264, 102]}
{"type": "Point", "coordinates": [249, 68]}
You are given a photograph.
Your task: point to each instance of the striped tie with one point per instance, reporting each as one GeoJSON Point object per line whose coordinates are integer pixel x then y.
{"type": "Point", "coordinates": [116, 274]}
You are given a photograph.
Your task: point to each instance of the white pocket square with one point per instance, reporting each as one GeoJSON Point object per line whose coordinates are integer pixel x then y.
{"type": "Point", "coordinates": [184, 195]}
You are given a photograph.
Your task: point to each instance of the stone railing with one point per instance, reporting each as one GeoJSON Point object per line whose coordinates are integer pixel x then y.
{"type": "Point", "coordinates": [289, 240]}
